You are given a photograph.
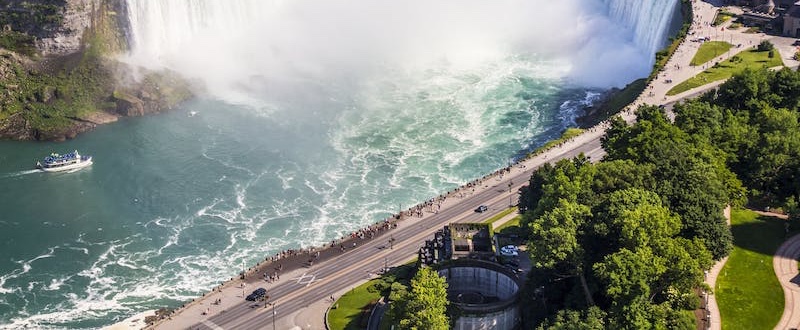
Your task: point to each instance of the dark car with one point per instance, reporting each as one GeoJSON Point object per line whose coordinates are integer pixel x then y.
{"type": "Point", "coordinates": [257, 294]}
{"type": "Point", "coordinates": [482, 208]}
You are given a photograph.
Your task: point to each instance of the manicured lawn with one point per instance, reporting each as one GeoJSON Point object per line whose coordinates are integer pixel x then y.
{"type": "Point", "coordinates": [511, 223]}
{"type": "Point", "coordinates": [710, 50]}
{"type": "Point", "coordinates": [722, 17]}
{"type": "Point", "coordinates": [747, 59]}
{"type": "Point", "coordinates": [747, 289]}
{"type": "Point", "coordinates": [565, 136]}
{"type": "Point", "coordinates": [501, 215]}
{"type": "Point", "coordinates": [352, 309]}
{"type": "Point", "coordinates": [349, 308]}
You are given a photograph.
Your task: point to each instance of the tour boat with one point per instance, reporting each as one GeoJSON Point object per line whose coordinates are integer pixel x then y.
{"type": "Point", "coordinates": [60, 163]}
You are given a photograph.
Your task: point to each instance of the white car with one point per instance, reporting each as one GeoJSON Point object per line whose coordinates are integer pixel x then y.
{"type": "Point", "coordinates": [509, 251]}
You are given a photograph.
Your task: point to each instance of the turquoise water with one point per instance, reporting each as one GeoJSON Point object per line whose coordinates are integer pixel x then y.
{"type": "Point", "coordinates": [176, 202]}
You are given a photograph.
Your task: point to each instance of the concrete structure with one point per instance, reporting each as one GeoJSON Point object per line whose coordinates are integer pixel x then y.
{"type": "Point", "coordinates": [471, 239]}
{"type": "Point", "coordinates": [485, 292]}
{"type": "Point", "coordinates": [791, 21]}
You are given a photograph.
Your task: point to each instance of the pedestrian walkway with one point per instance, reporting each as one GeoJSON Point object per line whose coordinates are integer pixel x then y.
{"type": "Point", "coordinates": [784, 262]}
{"type": "Point", "coordinates": [679, 69]}
{"type": "Point", "coordinates": [713, 319]}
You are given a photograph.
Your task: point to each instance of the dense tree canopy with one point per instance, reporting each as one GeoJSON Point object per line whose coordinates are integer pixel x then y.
{"type": "Point", "coordinates": [622, 244]}
{"type": "Point", "coordinates": [425, 305]}
{"type": "Point", "coordinates": [753, 118]}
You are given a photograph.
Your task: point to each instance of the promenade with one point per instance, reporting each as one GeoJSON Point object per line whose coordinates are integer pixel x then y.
{"type": "Point", "coordinates": [300, 296]}
{"type": "Point", "coordinates": [305, 280]}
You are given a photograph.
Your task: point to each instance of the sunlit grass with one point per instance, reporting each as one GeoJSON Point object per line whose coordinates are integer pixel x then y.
{"type": "Point", "coordinates": [752, 59]}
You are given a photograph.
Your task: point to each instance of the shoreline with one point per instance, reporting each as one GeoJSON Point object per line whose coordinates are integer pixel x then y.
{"type": "Point", "coordinates": [651, 95]}
{"type": "Point", "coordinates": [298, 259]}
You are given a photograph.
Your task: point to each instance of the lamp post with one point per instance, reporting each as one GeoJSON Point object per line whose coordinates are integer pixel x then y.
{"type": "Point", "coordinates": [273, 316]}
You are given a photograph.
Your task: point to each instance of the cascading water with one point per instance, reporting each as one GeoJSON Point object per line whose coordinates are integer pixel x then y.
{"type": "Point", "coordinates": [648, 19]}
{"type": "Point", "coordinates": [321, 117]}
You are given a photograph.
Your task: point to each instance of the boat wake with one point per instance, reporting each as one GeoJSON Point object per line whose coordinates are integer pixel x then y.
{"type": "Point", "coordinates": [20, 173]}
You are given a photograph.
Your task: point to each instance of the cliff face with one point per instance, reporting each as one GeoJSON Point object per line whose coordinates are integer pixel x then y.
{"type": "Point", "coordinates": [58, 72]}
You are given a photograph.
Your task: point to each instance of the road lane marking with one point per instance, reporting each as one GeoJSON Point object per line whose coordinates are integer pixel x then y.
{"type": "Point", "coordinates": [212, 325]}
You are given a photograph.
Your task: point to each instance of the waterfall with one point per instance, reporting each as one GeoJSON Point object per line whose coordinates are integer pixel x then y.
{"type": "Point", "coordinates": [231, 42]}
{"type": "Point", "coordinates": [162, 27]}
{"type": "Point", "coordinates": [649, 20]}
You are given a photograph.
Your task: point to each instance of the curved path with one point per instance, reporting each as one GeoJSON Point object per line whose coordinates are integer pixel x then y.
{"type": "Point", "coordinates": [785, 265]}
{"type": "Point", "coordinates": [713, 319]}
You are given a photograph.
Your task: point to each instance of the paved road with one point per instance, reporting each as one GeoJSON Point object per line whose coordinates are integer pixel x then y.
{"type": "Point", "coordinates": [306, 288]}
{"type": "Point", "coordinates": [327, 278]}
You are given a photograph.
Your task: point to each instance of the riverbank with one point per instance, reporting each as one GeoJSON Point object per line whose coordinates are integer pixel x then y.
{"type": "Point", "coordinates": [302, 278]}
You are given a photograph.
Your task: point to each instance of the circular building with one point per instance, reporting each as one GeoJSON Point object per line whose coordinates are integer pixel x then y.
{"type": "Point", "coordinates": [486, 294]}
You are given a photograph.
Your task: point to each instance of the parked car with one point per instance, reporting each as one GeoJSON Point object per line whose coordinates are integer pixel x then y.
{"type": "Point", "coordinates": [482, 208]}
{"type": "Point", "coordinates": [509, 251]}
{"type": "Point", "coordinates": [257, 294]}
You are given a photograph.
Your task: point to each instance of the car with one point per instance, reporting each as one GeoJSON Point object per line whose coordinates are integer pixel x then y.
{"type": "Point", "coordinates": [509, 251]}
{"type": "Point", "coordinates": [482, 208]}
{"type": "Point", "coordinates": [257, 294]}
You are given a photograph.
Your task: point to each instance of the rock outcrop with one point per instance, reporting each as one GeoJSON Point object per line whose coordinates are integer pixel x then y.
{"type": "Point", "coordinates": [72, 82]}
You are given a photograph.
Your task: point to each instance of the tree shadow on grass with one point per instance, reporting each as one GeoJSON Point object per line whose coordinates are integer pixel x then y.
{"type": "Point", "coordinates": [762, 235]}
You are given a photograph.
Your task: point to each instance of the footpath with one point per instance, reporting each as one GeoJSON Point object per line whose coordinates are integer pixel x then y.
{"type": "Point", "coordinates": [784, 263]}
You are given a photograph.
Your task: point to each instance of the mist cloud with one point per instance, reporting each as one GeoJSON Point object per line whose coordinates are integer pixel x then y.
{"type": "Point", "coordinates": [235, 43]}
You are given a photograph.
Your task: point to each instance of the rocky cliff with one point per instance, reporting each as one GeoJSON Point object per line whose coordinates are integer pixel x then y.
{"type": "Point", "coordinates": [58, 70]}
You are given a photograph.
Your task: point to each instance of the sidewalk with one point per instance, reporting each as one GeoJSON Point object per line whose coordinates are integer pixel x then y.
{"type": "Point", "coordinates": [784, 262]}
{"type": "Point", "coordinates": [712, 309]}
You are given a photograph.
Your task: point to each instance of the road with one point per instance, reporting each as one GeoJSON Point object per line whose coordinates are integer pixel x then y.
{"type": "Point", "coordinates": [307, 289]}
{"type": "Point", "coordinates": [326, 278]}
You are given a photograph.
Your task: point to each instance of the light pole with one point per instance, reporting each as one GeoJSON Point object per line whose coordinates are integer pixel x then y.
{"type": "Point", "coordinates": [273, 316]}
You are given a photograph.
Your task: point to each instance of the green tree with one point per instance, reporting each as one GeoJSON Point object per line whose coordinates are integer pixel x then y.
{"type": "Point", "coordinates": [765, 46]}
{"type": "Point", "coordinates": [555, 242]}
{"type": "Point", "coordinates": [592, 318]}
{"type": "Point", "coordinates": [426, 305]}
{"type": "Point", "coordinates": [690, 174]}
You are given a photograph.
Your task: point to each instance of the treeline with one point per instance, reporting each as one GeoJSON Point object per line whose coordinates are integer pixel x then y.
{"type": "Point", "coordinates": [623, 244]}
{"type": "Point", "coordinates": [753, 120]}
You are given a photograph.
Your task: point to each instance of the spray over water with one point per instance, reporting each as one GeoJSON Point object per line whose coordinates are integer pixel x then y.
{"type": "Point", "coordinates": [321, 117]}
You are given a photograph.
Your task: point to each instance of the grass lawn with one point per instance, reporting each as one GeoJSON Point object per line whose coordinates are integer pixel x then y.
{"type": "Point", "coordinates": [351, 306]}
{"type": "Point", "coordinates": [352, 310]}
{"type": "Point", "coordinates": [501, 215]}
{"type": "Point", "coordinates": [747, 59]}
{"type": "Point", "coordinates": [747, 289]}
{"type": "Point", "coordinates": [709, 50]}
{"type": "Point", "coordinates": [511, 223]}
{"type": "Point", "coordinates": [721, 18]}
{"type": "Point", "coordinates": [565, 136]}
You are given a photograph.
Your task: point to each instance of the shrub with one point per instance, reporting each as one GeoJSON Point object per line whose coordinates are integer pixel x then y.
{"type": "Point", "coordinates": [766, 46]}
